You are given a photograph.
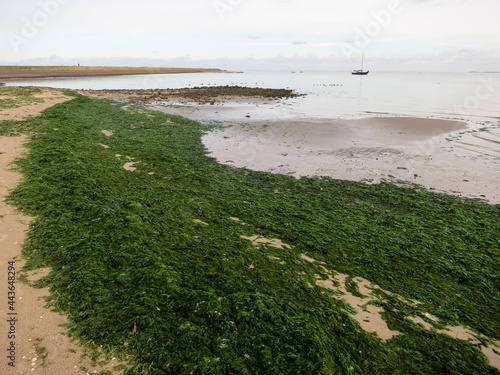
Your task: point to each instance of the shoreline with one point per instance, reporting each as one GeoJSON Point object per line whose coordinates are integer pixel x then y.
{"type": "Point", "coordinates": [259, 133]}
{"type": "Point", "coordinates": [446, 156]}
{"type": "Point", "coordinates": [407, 151]}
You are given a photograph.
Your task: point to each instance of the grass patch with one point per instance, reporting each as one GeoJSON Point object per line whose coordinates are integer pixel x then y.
{"type": "Point", "coordinates": [139, 276]}
{"type": "Point", "coordinates": [41, 352]}
{"type": "Point", "coordinates": [11, 97]}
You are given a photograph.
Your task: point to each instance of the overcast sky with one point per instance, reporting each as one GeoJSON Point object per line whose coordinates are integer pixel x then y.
{"type": "Point", "coordinates": [395, 35]}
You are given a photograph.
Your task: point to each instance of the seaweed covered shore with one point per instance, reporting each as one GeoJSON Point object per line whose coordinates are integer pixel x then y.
{"type": "Point", "coordinates": [162, 256]}
{"type": "Point", "coordinates": [199, 95]}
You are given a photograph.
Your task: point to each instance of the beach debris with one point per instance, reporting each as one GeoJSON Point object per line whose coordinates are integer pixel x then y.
{"type": "Point", "coordinates": [201, 95]}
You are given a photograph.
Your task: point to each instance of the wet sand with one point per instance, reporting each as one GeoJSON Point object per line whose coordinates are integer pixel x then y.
{"type": "Point", "coordinates": [264, 134]}
{"type": "Point", "coordinates": [441, 155]}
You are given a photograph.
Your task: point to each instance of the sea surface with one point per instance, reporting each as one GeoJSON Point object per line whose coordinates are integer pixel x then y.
{"type": "Point", "coordinates": [473, 97]}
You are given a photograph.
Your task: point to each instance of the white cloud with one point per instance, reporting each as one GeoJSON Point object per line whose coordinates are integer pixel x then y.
{"type": "Point", "coordinates": [209, 30]}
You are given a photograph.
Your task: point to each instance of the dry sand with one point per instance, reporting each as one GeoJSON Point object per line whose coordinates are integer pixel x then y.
{"type": "Point", "coordinates": [50, 97]}
{"type": "Point", "coordinates": [41, 346]}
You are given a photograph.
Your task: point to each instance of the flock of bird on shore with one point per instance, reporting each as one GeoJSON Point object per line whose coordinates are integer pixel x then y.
{"type": "Point", "coordinates": [256, 83]}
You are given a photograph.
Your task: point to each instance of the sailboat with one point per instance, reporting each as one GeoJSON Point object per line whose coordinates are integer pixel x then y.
{"type": "Point", "coordinates": [360, 71]}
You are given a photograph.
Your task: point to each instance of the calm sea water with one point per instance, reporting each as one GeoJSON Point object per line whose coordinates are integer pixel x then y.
{"type": "Point", "coordinates": [470, 96]}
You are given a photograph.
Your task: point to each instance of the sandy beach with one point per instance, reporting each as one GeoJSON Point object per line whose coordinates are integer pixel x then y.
{"type": "Point", "coordinates": [442, 155]}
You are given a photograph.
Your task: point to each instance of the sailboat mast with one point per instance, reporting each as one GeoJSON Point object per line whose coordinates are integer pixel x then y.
{"type": "Point", "coordinates": [360, 72]}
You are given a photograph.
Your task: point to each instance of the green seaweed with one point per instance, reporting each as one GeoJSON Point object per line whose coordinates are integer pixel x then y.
{"type": "Point", "coordinates": [137, 275]}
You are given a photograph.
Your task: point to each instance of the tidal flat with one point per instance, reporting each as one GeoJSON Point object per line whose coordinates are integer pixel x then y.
{"type": "Point", "coordinates": [183, 265]}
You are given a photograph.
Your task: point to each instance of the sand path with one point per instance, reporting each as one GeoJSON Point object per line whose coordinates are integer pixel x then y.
{"type": "Point", "coordinates": [30, 334]}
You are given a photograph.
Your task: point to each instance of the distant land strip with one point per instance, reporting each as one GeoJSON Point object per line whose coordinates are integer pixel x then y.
{"type": "Point", "coordinates": [15, 72]}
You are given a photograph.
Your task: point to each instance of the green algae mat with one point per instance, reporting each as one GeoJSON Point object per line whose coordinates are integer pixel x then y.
{"type": "Point", "coordinates": [149, 244]}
